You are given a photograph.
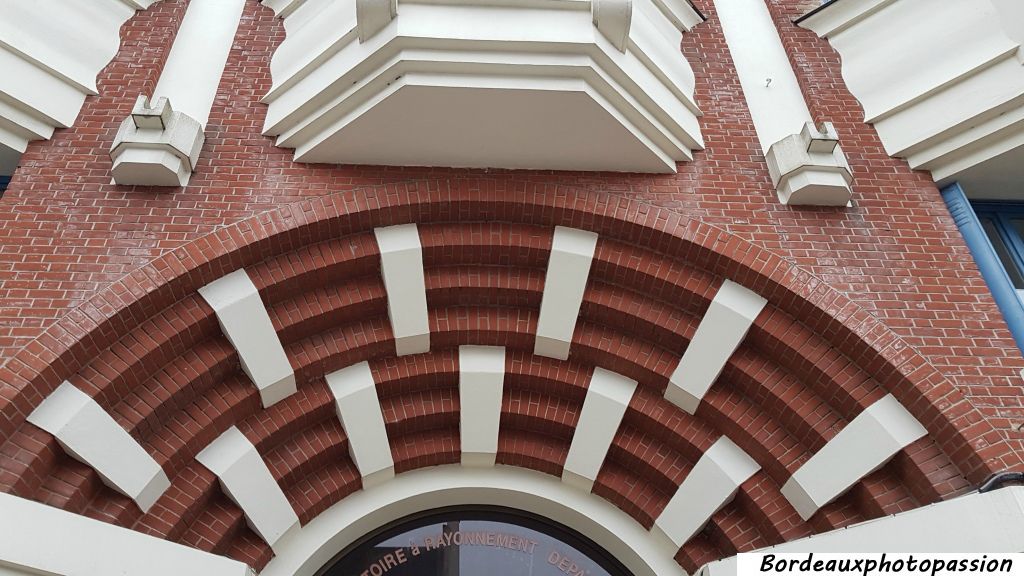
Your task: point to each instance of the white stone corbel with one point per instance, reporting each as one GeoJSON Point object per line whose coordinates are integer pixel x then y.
{"type": "Point", "coordinates": [373, 15]}
{"type": "Point", "coordinates": [810, 167]}
{"type": "Point", "coordinates": [613, 19]}
{"type": "Point", "coordinates": [156, 146]}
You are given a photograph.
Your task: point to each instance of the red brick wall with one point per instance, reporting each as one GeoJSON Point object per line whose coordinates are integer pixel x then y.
{"type": "Point", "coordinates": [67, 234]}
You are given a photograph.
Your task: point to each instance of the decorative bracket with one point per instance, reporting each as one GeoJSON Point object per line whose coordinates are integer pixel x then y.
{"type": "Point", "coordinates": [613, 18]}
{"type": "Point", "coordinates": [156, 146]}
{"type": "Point", "coordinates": [810, 168]}
{"type": "Point", "coordinates": [373, 15]}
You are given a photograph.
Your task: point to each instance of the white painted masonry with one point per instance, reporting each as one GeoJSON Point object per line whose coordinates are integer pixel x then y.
{"type": "Point", "coordinates": [437, 487]}
{"type": "Point", "coordinates": [863, 446]}
{"type": "Point", "coordinates": [808, 166]}
{"type": "Point", "coordinates": [50, 63]}
{"type": "Point", "coordinates": [244, 320]}
{"type": "Point", "coordinates": [355, 397]}
{"type": "Point", "coordinates": [607, 399]}
{"type": "Point", "coordinates": [724, 326]}
{"type": "Point", "coordinates": [159, 144]}
{"type": "Point", "coordinates": [245, 479]}
{"type": "Point", "coordinates": [569, 84]}
{"type": "Point", "coordinates": [32, 533]}
{"type": "Point", "coordinates": [91, 436]}
{"type": "Point", "coordinates": [481, 382]}
{"type": "Point", "coordinates": [711, 484]}
{"type": "Point", "coordinates": [572, 252]}
{"type": "Point", "coordinates": [401, 258]}
{"type": "Point", "coordinates": [955, 96]}
{"type": "Point", "coordinates": [974, 523]}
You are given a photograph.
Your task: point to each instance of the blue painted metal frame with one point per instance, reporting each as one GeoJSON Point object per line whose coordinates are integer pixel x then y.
{"type": "Point", "coordinates": [4, 181]}
{"type": "Point", "coordinates": [988, 261]}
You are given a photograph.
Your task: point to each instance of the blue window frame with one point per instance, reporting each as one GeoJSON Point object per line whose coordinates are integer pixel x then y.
{"type": "Point", "coordinates": [1003, 223]}
{"type": "Point", "coordinates": [4, 181]}
{"type": "Point", "coordinates": [994, 233]}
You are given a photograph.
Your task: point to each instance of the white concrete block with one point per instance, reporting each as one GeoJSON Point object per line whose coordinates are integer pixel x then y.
{"type": "Point", "coordinates": [568, 269]}
{"type": "Point", "coordinates": [91, 436]}
{"type": "Point", "coordinates": [810, 168]}
{"type": "Point", "coordinates": [711, 484]}
{"type": "Point", "coordinates": [245, 479]}
{"type": "Point", "coordinates": [355, 396]}
{"type": "Point", "coordinates": [481, 383]}
{"type": "Point", "coordinates": [156, 145]}
{"type": "Point", "coordinates": [607, 399]}
{"type": "Point", "coordinates": [975, 523]}
{"type": "Point", "coordinates": [732, 311]}
{"type": "Point", "coordinates": [38, 539]}
{"type": "Point", "coordinates": [401, 256]}
{"type": "Point", "coordinates": [865, 445]}
{"type": "Point", "coordinates": [244, 320]}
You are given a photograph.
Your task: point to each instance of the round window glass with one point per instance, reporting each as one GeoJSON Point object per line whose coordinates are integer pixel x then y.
{"type": "Point", "coordinates": [474, 542]}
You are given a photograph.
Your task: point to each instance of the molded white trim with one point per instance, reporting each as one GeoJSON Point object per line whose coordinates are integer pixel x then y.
{"type": "Point", "coordinates": [91, 436]}
{"type": "Point", "coordinates": [481, 382]}
{"type": "Point", "coordinates": [431, 488]}
{"type": "Point", "coordinates": [38, 539]}
{"type": "Point", "coordinates": [401, 258]}
{"type": "Point", "coordinates": [244, 320]}
{"type": "Point", "coordinates": [607, 399]}
{"type": "Point", "coordinates": [355, 397]}
{"type": "Point", "coordinates": [245, 479]}
{"type": "Point", "coordinates": [724, 326]}
{"type": "Point", "coordinates": [572, 252]}
{"type": "Point", "coordinates": [711, 485]}
{"type": "Point", "coordinates": [974, 523]}
{"type": "Point", "coordinates": [863, 446]}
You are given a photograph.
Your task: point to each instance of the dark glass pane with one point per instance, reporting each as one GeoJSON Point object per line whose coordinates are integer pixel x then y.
{"type": "Point", "coordinates": [1001, 250]}
{"type": "Point", "coordinates": [475, 543]}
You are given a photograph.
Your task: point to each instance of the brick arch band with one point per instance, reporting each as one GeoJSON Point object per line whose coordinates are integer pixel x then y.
{"type": "Point", "coordinates": [149, 351]}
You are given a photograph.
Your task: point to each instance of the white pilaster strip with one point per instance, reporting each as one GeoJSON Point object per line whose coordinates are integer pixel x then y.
{"type": "Point", "coordinates": [91, 436]}
{"type": "Point", "coordinates": [244, 320]}
{"type": "Point", "coordinates": [711, 484]}
{"type": "Point", "coordinates": [607, 398]}
{"type": "Point", "coordinates": [865, 445]}
{"type": "Point", "coordinates": [572, 251]}
{"type": "Point", "coordinates": [355, 396]}
{"type": "Point", "coordinates": [974, 523]}
{"type": "Point", "coordinates": [720, 332]}
{"type": "Point", "coordinates": [247, 481]}
{"type": "Point", "coordinates": [40, 539]}
{"type": "Point", "coordinates": [401, 257]}
{"type": "Point", "coordinates": [481, 383]}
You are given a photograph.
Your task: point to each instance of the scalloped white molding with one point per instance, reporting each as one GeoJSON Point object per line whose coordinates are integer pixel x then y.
{"type": "Point", "coordinates": [90, 435]}
{"type": "Point", "coordinates": [50, 63]}
{"type": "Point", "coordinates": [544, 84]}
{"type": "Point", "coordinates": [954, 98]}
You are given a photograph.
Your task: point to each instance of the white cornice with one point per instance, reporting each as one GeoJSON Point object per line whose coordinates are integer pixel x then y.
{"type": "Point", "coordinates": [954, 96]}
{"type": "Point", "coordinates": [50, 63]}
{"type": "Point", "coordinates": [547, 84]}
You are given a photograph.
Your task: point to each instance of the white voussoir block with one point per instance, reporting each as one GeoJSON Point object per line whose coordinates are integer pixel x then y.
{"type": "Point", "coordinates": [572, 252]}
{"type": "Point", "coordinates": [732, 311]}
{"type": "Point", "coordinates": [607, 398]}
{"type": "Point", "coordinates": [247, 481]}
{"type": "Point", "coordinates": [91, 436]}
{"type": "Point", "coordinates": [481, 383]}
{"type": "Point", "coordinates": [244, 320]}
{"type": "Point", "coordinates": [401, 258]}
{"type": "Point", "coordinates": [39, 539]}
{"type": "Point", "coordinates": [865, 445]}
{"type": "Point", "coordinates": [711, 484]}
{"type": "Point", "coordinates": [355, 397]}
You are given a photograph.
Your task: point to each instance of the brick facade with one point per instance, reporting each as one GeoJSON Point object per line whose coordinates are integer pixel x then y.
{"type": "Point", "coordinates": [97, 286]}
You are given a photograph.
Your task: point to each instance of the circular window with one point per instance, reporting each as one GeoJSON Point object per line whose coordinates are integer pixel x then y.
{"type": "Point", "coordinates": [474, 542]}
